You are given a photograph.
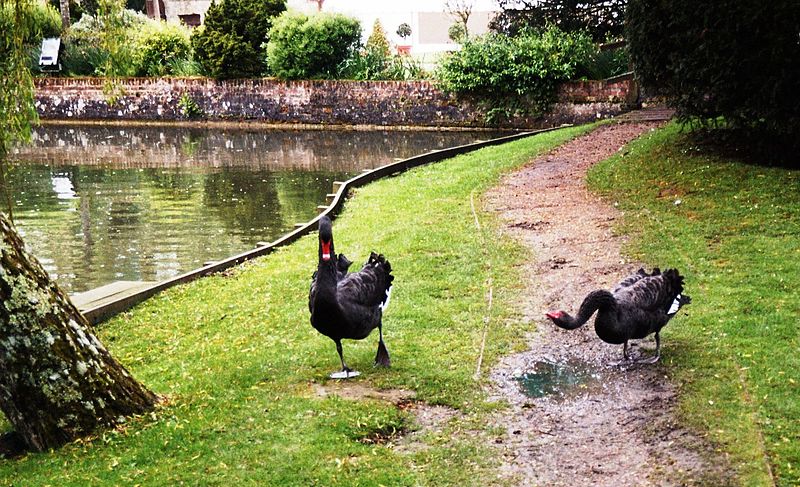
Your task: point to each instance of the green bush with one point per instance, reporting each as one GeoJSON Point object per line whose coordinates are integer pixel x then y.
{"type": "Point", "coordinates": [731, 59]}
{"type": "Point", "coordinates": [304, 47]}
{"type": "Point", "coordinates": [513, 75]}
{"type": "Point", "coordinates": [230, 43]}
{"type": "Point", "coordinates": [159, 46]}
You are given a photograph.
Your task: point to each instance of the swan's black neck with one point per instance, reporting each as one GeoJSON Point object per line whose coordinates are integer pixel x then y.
{"type": "Point", "coordinates": [601, 301]}
{"type": "Point", "coordinates": [326, 268]}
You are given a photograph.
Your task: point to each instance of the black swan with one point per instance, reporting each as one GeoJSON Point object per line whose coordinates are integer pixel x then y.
{"type": "Point", "coordinates": [348, 305]}
{"type": "Point", "coordinates": [640, 305]}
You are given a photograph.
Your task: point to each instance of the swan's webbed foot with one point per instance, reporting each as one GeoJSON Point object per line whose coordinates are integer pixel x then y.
{"type": "Point", "coordinates": [382, 357]}
{"type": "Point", "coordinates": [654, 358]}
{"type": "Point", "coordinates": [346, 371]}
{"type": "Point", "coordinates": [627, 360]}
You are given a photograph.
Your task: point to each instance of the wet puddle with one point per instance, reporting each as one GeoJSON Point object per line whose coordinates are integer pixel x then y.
{"type": "Point", "coordinates": [549, 378]}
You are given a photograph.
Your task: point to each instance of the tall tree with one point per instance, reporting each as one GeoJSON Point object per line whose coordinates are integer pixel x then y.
{"type": "Point", "coordinates": [57, 381]}
{"type": "Point", "coordinates": [603, 19]}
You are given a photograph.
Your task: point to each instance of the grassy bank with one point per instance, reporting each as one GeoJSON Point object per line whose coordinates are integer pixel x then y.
{"type": "Point", "coordinates": [734, 230]}
{"type": "Point", "coordinates": [240, 363]}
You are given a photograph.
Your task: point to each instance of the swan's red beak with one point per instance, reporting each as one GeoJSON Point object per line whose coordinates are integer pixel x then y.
{"type": "Point", "coordinates": [554, 315]}
{"type": "Point", "coordinates": [326, 250]}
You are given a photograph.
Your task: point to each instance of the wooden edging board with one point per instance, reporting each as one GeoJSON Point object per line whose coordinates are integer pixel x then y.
{"type": "Point", "coordinates": [103, 312]}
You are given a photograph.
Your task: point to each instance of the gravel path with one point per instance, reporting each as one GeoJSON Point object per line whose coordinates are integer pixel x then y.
{"type": "Point", "coordinates": [618, 428]}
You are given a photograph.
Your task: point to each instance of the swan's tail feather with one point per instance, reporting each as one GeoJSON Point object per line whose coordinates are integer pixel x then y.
{"type": "Point", "coordinates": [378, 261]}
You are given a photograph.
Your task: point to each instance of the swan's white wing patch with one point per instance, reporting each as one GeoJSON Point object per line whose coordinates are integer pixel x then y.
{"type": "Point", "coordinates": [676, 305]}
{"type": "Point", "coordinates": [385, 303]}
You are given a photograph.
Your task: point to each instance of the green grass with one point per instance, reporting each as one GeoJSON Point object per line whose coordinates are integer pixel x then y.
{"type": "Point", "coordinates": [238, 359]}
{"type": "Point", "coordinates": [736, 236]}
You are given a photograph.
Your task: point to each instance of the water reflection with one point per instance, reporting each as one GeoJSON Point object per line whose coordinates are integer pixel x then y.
{"type": "Point", "coordinates": [100, 204]}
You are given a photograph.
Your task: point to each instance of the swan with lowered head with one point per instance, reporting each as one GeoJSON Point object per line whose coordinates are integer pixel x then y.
{"type": "Point", "coordinates": [638, 306]}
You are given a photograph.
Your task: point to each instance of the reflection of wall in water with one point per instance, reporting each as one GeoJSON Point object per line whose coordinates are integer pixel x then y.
{"type": "Point", "coordinates": [178, 147]}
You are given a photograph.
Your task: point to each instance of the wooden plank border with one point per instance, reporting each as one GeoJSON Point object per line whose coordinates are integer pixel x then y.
{"type": "Point", "coordinates": [103, 312]}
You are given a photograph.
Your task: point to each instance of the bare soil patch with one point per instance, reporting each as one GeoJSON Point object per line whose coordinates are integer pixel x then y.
{"type": "Point", "coordinates": [619, 428]}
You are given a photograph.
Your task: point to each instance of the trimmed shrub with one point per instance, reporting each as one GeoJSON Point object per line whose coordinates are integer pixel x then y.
{"type": "Point", "coordinates": [731, 59]}
{"type": "Point", "coordinates": [229, 45]}
{"type": "Point", "coordinates": [160, 45]}
{"type": "Point", "coordinates": [515, 75]}
{"type": "Point", "coordinates": [305, 47]}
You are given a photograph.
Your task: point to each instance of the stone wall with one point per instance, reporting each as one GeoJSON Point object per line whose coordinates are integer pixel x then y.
{"type": "Point", "coordinates": [378, 103]}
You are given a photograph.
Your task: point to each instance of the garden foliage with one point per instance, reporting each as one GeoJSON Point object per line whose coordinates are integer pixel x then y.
{"type": "Point", "coordinates": [86, 50]}
{"type": "Point", "coordinates": [731, 59]}
{"type": "Point", "coordinates": [148, 47]}
{"type": "Point", "coordinates": [41, 21]}
{"type": "Point", "coordinates": [230, 43]}
{"type": "Point", "coordinates": [305, 47]}
{"type": "Point", "coordinates": [374, 64]}
{"type": "Point", "coordinates": [515, 75]}
{"type": "Point", "coordinates": [38, 21]}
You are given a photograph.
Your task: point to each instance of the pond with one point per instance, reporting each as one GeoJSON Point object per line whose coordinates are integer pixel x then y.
{"type": "Point", "coordinates": [98, 204]}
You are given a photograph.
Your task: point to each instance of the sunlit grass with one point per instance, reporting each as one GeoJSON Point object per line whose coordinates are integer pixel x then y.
{"type": "Point", "coordinates": [238, 360]}
{"type": "Point", "coordinates": [734, 230]}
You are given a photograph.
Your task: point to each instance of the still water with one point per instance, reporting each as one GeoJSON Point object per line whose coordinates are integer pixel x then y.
{"type": "Point", "coordinates": [99, 204]}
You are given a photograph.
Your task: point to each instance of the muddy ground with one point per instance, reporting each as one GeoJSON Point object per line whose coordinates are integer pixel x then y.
{"type": "Point", "coordinates": [618, 428]}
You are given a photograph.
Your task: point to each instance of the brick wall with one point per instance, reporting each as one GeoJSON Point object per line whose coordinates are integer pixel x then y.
{"type": "Point", "coordinates": [381, 103]}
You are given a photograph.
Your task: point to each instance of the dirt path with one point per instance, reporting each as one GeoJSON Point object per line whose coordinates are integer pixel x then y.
{"type": "Point", "coordinates": [617, 428]}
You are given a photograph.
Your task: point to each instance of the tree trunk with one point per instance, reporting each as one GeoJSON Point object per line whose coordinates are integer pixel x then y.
{"type": "Point", "coordinates": [65, 20]}
{"type": "Point", "coordinates": [57, 381]}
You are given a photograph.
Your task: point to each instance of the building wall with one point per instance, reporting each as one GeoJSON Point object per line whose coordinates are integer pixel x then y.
{"type": "Point", "coordinates": [379, 103]}
{"type": "Point", "coordinates": [174, 9]}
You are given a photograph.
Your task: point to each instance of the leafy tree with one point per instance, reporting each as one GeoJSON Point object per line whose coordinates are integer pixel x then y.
{"type": "Point", "coordinates": [731, 59]}
{"type": "Point", "coordinates": [303, 46]}
{"type": "Point", "coordinates": [57, 381]}
{"type": "Point", "coordinates": [514, 74]}
{"type": "Point", "coordinates": [229, 45]}
{"type": "Point", "coordinates": [603, 19]}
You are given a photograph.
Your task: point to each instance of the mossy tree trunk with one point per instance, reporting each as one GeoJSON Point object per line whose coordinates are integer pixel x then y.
{"type": "Point", "coordinates": [57, 381]}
